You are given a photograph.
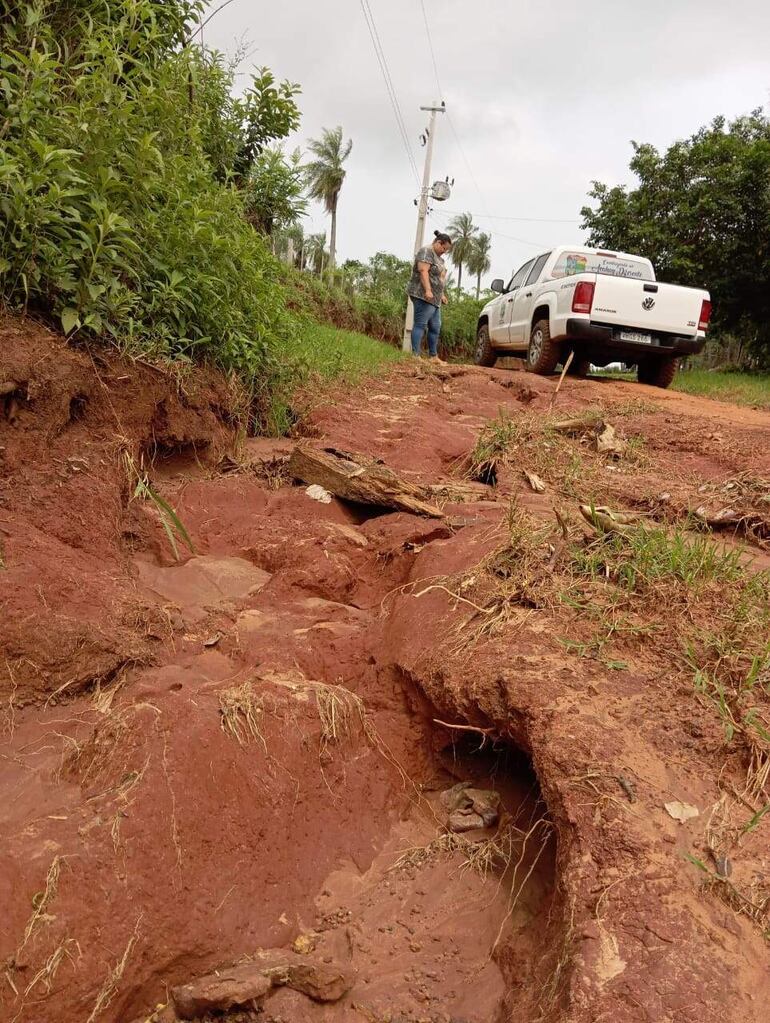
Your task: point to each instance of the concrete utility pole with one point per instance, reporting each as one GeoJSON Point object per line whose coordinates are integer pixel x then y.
{"type": "Point", "coordinates": [422, 213]}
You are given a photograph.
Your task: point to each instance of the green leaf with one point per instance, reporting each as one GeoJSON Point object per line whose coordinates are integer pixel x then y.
{"type": "Point", "coordinates": [697, 863]}
{"type": "Point", "coordinates": [70, 319]}
{"type": "Point", "coordinates": [754, 821]}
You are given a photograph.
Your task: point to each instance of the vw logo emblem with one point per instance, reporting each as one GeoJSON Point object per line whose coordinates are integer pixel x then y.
{"type": "Point", "coordinates": [648, 304]}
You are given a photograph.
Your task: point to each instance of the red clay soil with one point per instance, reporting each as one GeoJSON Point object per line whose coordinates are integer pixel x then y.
{"type": "Point", "coordinates": [251, 748]}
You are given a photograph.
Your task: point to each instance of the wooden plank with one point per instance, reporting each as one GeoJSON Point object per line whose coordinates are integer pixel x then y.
{"type": "Point", "coordinates": [354, 478]}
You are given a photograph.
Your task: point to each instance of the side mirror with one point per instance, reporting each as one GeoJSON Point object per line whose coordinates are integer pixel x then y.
{"type": "Point", "coordinates": [498, 285]}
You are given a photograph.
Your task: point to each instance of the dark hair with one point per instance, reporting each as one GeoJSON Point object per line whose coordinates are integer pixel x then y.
{"type": "Point", "coordinates": [441, 237]}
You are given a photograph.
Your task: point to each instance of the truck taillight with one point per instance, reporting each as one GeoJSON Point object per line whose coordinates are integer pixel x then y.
{"type": "Point", "coordinates": [705, 315]}
{"type": "Point", "coordinates": [583, 298]}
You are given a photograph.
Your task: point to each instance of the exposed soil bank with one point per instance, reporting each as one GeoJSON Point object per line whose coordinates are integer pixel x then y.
{"type": "Point", "coordinates": [254, 748]}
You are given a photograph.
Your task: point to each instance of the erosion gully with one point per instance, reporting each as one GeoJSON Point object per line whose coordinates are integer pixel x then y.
{"type": "Point", "coordinates": [271, 789]}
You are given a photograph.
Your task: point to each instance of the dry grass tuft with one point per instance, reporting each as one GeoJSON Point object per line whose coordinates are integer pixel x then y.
{"type": "Point", "coordinates": [338, 710]}
{"type": "Point", "coordinates": [241, 711]}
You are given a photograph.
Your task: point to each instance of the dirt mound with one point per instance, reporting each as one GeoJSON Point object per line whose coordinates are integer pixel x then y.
{"type": "Point", "coordinates": [77, 428]}
{"type": "Point", "coordinates": [342, 763]}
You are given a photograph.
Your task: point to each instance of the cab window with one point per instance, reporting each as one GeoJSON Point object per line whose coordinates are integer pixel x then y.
{"type": "Point", "coordinates": [537, 269]}
{"type": "Point", "coordinates": [518, 278]}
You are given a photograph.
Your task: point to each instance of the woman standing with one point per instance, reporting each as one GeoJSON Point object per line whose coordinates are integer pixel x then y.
{"type": "Point", "coordinates": [427, 292]}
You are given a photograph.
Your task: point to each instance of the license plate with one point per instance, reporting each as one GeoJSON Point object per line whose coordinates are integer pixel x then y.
{"type": "Point", "coordinates": [635, 335]}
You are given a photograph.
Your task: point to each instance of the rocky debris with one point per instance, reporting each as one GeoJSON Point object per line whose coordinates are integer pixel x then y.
{"type": "Point", "coordinates": [605, 438]}
{"type": "Point", "coordinates": [240, 985]}
{"type": "Point", "coordinates": [681, 812]}
{"type": "Point", "coordinates": [356, 478]}
{"type": "Point", "coordinates": [470, 808]}
{"type": "Point", "coordinates": [607, 441]}
{"type": "Point", "coordinates": [248, 984]}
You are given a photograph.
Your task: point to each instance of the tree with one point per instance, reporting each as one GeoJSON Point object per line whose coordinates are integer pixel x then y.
{"type": "Point", "coordinates": [701, 213]}
{"type": "Point", "coordinates": [478, 261]}
{"type": "Point", "coordinates": [267, 113]}
{"type": "Point", "coordinates": [273, 191]}
{"type": "Point", "coordinates": [326, 174]}
{"type": "Point", "coordinates": [462, 231]}
{"type": "Point", "coordinates": [315, 252]}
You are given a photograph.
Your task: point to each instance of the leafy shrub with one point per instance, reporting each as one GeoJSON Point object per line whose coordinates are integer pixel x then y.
{"type": "Point", "coordinates": [116, 143]}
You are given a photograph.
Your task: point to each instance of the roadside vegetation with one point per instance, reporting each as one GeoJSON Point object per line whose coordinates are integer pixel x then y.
{"type": "Point", "coordinates": [740, 388]}
{"type": "Point", "coordinates": [701, 212]}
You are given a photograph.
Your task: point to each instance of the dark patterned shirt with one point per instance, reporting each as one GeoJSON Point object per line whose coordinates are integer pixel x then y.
{"type": "Point", "coordinates": [436, 276]}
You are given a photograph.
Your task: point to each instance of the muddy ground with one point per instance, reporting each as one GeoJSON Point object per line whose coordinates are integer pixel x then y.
{"type": "Point", "coordinates": [248, 758]}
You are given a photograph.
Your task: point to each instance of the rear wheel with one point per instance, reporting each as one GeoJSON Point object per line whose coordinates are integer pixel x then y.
{"type": "Point", "coordinates": [485, 353]}
{"type": "Point", "coordinates": [657, 372]}
{"type": "Point", "coordinates": [543, 354]}
{"type": "Point", "coordinates": [579, 367]}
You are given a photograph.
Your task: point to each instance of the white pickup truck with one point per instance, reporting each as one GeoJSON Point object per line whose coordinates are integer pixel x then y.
{"type": "Point", "coordinates": [601, 306]}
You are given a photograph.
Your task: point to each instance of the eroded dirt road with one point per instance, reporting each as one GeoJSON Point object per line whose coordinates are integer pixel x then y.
{"type": "Point", "coordinates": [250, 759]}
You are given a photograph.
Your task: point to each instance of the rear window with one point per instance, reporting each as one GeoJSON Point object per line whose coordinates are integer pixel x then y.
{"type": "Point", "coordinates": [570, 263]}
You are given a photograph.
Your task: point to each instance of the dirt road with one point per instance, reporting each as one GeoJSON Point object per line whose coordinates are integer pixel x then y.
{"type": "Point", "coordinates": [389, 767]}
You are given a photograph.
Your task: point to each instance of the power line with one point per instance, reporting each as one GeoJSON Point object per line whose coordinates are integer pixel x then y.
{"type": "Point", "coordinates": [387, 78]}
{"type": "Point", "coordinates": [510, 237]}
{"type": "Point", "coordinates": [458, 143]}
{"type": "Point", "coordinates": [533, 220]}
{"type": "Point", "coordinates": [432, 51]}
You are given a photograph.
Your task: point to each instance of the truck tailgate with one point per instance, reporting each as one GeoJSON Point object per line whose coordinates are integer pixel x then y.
{"type": "Point", "coordinates": [668, 308]}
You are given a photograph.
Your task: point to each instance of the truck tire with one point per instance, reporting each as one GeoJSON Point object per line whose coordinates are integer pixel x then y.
{"type": "Point", "coordinates": [657, 372]}
{"type": "Point", "coordinates": [580, 367]}
{"type": "Point", "coordinates": [543, 354]}
{"type": "Point", "coordinates": [485, 353]}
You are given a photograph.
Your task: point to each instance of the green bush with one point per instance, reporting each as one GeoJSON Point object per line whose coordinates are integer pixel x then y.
{"type": "Point", "coordinates": [114, 139]}
{"type": "Point", "coordinates": [458, 328]}
{"type": "Point", "coordinates": [378, 310]}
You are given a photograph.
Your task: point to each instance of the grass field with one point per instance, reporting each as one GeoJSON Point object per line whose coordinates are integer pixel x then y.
{"type": "Point", "coordinates": [333, 354]}
{"type": "Point", "coordinates": [740, 388]}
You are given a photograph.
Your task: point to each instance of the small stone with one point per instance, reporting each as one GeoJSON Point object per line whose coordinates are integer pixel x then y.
{"type": "Point", "coordinates": [304, 944]}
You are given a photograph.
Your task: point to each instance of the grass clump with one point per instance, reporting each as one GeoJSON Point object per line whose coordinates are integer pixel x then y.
{"type": "Point", "coordinates": [640, 557]}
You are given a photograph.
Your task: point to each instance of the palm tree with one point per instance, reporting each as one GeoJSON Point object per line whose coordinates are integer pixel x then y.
{"type": "Point", "coordinates": [315, 251]}
{"type": "Point", "coordinates": [462, 231]}
{"type": "Point", "coordinates": [478, 262]}
{"type": "Point", "coordinates": [325, 175]}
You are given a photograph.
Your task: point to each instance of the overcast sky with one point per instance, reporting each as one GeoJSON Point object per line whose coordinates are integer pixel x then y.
{"type": "Point", "coordinates": [543, 96]}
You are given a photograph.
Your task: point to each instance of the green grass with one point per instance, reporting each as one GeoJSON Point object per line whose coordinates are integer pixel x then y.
{"type": "Point", "coordinates": [336, 355]}
{"type": "Point", "coordinates": [751, 389]}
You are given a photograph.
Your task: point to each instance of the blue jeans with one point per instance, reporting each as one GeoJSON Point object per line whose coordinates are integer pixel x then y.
{"type": "Point", "coordinates": [425, 315]}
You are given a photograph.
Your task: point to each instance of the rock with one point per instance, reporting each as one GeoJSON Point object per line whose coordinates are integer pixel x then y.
{"type": "Point", "coordinates": [304, 944]}
{"type": "Point", "coordinates": [317, 493]}
{"type": "Point", "coordinates": [681, 811]}
{"type": "Point", "coordinates": [470, 808]}
{"type": "Point", "coordinates": [318, 981]}
{"type": "Point", "coordinates": [249, 983]}
{"type": "Point", "coordinates": [608, 442]}
{"type": "Point", "coordinates": [218, 992]}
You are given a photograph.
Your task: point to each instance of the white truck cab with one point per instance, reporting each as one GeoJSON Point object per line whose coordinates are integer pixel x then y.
{"type": "Point", "coordinates": [600, 306]}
